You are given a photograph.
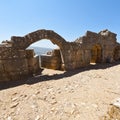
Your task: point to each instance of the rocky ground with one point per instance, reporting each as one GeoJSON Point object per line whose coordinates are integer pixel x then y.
{"type": "Point", "coordinates": [83, 94]}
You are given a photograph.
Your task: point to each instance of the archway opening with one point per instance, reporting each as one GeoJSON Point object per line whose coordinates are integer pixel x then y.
{"type": "Point", "coordinates": [96, 54]}
{"type": "Point", "coordinates": [45, 55]}
{"type": "Point", "coordinates": [43, 46]}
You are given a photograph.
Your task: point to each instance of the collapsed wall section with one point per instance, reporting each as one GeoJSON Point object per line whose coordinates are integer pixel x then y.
{"type": "Point", "coordinates": [105, 39]}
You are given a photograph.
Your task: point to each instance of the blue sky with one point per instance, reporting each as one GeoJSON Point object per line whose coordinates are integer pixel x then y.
{"type": "Point", "coordinates": [69, 18]}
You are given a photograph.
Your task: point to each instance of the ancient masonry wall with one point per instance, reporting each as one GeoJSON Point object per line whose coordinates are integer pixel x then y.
{"type": "Point", "coordinates": [18, 62]}
{"type": "Point", "coordinates": [105, 39]}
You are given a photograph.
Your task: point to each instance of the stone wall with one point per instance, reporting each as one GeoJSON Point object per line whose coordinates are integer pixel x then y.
{"type": "Point", "coordinates": [16, 62]}
{"type": "Point", "coordinates": [13, 63]}
{"type": "Point", "coordinates": [105, 39]}
{"type": "Point", "coordinates": [75, 56]}
{"type": "Point", "coordinates": [51, 60]}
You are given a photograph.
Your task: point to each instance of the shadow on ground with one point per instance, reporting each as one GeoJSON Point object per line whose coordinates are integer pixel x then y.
{"type": "Point", "coordinates": [41, 78]}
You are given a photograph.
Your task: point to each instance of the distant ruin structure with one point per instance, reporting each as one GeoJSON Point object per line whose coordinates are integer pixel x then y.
{"type": "Point", "coordinates": [17, 62]}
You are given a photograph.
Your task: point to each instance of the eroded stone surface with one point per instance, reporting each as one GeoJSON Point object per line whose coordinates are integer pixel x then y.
{"type": "Point", "coordinates": [114, 111]}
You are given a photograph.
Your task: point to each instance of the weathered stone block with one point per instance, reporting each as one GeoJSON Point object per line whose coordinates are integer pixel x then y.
{"type": "Point", "coordinates": [30, 53]}
{"type": "Point", "coordinates": [14, 65]}
{"type": "Point", "coordinates": [50, 62]}
{"type": "Point", "coordinates": [22, 53]}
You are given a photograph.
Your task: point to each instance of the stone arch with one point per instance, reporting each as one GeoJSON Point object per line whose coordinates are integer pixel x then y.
{"type": "Point", "coordinates": [96, 54]}
{"type": "Point", "coordinates": [27, 40]}
{"type": "Point", "coordinates": [24, 42]}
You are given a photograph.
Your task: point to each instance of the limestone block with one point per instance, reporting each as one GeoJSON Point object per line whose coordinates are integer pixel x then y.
{"type": "Point", "coordinates": [36, 66]}
{"type": "Point", "coordinates": [56, 52]}
{"type": "Point", "coordinates": [22, 53]}
{"type": "Point", "coordinates": [30, 53]}
{"type": "Point", "coordinates": [4, 77]}
{"type": "Point", "coordinates": [9, 53]}
{"type": "Point", "coordinates": [50, 66]}
{"type": "Point", "coordinates": [15, 75]}
{"type": "Point", "coordinates": [1, 67]}
{"type": "Point", "coordinates": [50, 62]}
{"type": "Point", "coordinates": [31, 62]}
{"type": "Point", "coordinates": [14, 65]}
{"type": "Point", "coordinates": [109, 47]}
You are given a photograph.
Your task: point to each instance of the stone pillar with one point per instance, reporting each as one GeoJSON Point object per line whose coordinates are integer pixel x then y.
{"type": "Point", "coordinates": [33, 62]}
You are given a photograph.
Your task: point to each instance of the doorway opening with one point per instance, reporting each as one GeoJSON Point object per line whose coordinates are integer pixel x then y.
{"type": "Point", "coordinates": [46, 55]}
{"type": "Point", "coordinates": [96, 54]}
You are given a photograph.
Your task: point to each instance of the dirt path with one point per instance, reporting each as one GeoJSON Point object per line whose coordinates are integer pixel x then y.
{"type": "Point", "coordinates": [77, 95]}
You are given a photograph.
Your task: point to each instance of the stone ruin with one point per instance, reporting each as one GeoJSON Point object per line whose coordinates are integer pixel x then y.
{"type": "Point", "coordinates": [17, 62]}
